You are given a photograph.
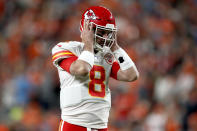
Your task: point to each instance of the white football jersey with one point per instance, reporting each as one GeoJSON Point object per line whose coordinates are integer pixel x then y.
{"type": "Point", "coordinates": [84, 101]}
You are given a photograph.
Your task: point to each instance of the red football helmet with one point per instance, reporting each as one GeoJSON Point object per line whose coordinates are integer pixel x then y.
{"type": "Point", "coordinates": [102, 19]}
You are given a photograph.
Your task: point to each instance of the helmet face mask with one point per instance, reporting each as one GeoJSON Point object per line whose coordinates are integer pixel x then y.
{"type": "Point", "coordinates": [104, 37]}
{"type": "Point", "coordinates": [104, 26]}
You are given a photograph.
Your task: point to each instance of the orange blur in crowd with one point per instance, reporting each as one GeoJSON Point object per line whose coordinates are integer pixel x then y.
{"type": "Point", "coordinates": [160, 37]}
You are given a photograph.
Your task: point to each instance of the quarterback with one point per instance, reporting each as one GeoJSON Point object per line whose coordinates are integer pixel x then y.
{"type": "Point", "coordinates": [84, 69]}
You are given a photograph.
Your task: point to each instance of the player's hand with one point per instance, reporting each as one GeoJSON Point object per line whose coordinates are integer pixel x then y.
{"type": "Point", "coordinates": [115, 45]}
{"type": "Point", "coordinates": [87, 34]}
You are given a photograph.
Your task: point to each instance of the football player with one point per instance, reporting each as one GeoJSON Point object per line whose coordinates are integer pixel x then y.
{"type": "Point", "coordinates": [84, 69]}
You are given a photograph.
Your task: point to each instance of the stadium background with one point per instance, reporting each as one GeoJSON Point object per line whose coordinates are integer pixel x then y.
{"type": "Point", "coordinates": [159, 35]}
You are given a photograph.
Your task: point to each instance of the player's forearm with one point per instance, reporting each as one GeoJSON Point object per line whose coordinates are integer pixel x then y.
{"type": "Point", "coordinates": [128, 75]}
{"type": "Point", "coordinates": [80, 68]}
{"type": "Point", "coordinates": [83, 64]}
{"type": "Point", "coordinates": [128, 70]}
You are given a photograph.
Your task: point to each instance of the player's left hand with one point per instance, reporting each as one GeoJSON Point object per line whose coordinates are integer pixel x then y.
{"type": "Point", "coordinates": [115, 45]}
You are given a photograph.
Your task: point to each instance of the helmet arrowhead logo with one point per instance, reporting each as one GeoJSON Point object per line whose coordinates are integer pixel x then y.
{"type": "Point", "coordinates": [90, 15]}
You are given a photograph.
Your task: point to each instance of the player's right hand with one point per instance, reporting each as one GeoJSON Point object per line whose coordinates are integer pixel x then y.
{"type": "Point", "coordinates": [87, 34]}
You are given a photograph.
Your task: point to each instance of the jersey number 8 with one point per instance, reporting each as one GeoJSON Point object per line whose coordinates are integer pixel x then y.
{"type": "Point", "coordinates": [96, 84]}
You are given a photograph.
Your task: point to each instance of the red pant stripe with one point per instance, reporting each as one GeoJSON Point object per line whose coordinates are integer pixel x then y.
{"type": "Point", "coordinates": [65, 126]}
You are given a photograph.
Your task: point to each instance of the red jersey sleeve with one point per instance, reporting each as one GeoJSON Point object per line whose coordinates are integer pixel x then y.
{"type": "Point", "coordinates": [66, 63]}
{"type": "Point", "coordinates": [114, 70]}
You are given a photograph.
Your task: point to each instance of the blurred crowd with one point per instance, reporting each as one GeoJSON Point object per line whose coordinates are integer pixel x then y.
{"type": "Point", "coordinates": [159, 35]}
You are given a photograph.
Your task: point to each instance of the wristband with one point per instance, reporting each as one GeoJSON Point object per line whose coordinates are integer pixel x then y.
{"type": "Point", "coordinates": [123, 59]}
{"type": "Point", "coordinates": [88, 57]}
